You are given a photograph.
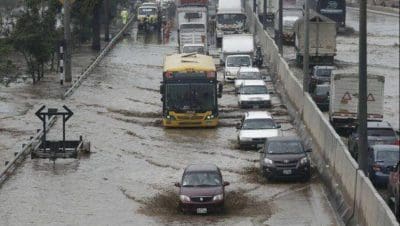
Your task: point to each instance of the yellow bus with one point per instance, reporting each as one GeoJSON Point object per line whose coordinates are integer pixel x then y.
{"type": "Point", "coordinates": [190, 91]}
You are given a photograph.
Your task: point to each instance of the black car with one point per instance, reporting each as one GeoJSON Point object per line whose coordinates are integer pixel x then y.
{"type": "Point", "coordinates": [378, 133]}
{"type": "Point", "coordinates": [381, 159]}
{"type": "Point", "coordinates": [285, 157]}
{"type": "Point", "coordinates": [320, 96]}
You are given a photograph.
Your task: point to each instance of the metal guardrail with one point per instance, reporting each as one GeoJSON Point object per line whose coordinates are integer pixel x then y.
{"type": "Point", "coordinates": [35, 141]}
{"type": "Point", "coordinates": [103, 53]}
{"type": "Point", "coordinates": [33, 144]}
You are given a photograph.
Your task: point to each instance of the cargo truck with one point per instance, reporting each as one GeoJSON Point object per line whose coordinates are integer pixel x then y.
{"type": "Point", "coordinates": [322, 36]}
{"type": "Point", "coordinates": [343, 103]}
{"type": "Point", "coordinates": [231, 19]}
{"type": "Point", "coordinates": [289, 18]}
{"type": "Point", "coordinates": [192, 26]}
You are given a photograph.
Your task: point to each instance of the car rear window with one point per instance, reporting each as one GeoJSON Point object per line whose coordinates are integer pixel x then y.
{"type": "Point", "coordinates": [387, 156]}
{"type": "Point", "coordinates": [381, 132]}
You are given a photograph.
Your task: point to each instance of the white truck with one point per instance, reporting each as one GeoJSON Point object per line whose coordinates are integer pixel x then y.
{"type": "Point", "coordinates": [237, 51]}
{"type": "Point", "coordinates": [322, 44]}
{"type": "Point", "coordinates": [231, 19]}
{"type": "Point", "coordinates": [343, 103]}
{"type": "Point", "coordinates": [192, 26]}
{"type": "Point", "coordinates": [289, 18]}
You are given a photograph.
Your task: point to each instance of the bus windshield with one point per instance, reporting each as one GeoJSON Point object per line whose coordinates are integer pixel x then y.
{"type": "Point", "coordinates": [199, 97]}
{"type": "Point", "coordinates": [231, 19]}
{"type": "Point", "coordinates": [147, 11]}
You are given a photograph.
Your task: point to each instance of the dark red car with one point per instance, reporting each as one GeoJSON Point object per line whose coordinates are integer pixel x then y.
{"type": "Point", "coordinates": [202, 189]}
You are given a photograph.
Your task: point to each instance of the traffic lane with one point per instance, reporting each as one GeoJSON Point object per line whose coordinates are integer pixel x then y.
{"type": "Point", "coordinates": [134, 159]}
{"type": "Point", "coordinates": [377, 24]}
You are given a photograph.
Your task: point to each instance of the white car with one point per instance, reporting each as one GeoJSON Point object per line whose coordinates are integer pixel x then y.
{"type": "Point", "coordinates": [254, 93]}
{"type": "Point", "coordinates": [247, 73]}
{"type": "Point", "coordinates": [255, 128]}
{"type": "Point", "coordinates": [233, 63]}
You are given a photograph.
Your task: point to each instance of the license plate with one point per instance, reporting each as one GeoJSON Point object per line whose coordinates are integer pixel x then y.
{"type": "Point", "coordinates": [287, 172]}
{"type": "Point", "coordinates": [201, 210]}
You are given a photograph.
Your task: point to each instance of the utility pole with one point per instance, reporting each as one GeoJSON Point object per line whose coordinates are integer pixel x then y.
{"type": "Point", "coordinates": [362, 86]}
{"type": "Point", "coordinates": [106, 20]}
{"type": "Point", "coordinates": [280, 41]}
{"type": "Point", "coordinates": [67, 41]}
{"type": "Point", "coordinates": [306, 73]}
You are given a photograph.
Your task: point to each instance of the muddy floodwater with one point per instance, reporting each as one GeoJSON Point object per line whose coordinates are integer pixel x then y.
{"type": "Point", "coordinates": [129, 177]}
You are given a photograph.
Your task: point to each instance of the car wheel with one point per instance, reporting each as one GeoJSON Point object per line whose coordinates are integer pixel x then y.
{"type": "Point", "coordinates": [307, 176]}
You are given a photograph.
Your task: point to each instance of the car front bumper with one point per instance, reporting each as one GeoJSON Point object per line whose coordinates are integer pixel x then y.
{"type": "Point", "coordinates": [192, 207]}
{"type": "Point", "coordinates": [283, 172]}
{"type": "Point", "coordinates": [251, 104]}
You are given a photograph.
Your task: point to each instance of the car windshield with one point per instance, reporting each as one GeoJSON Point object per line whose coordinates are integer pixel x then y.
{"type": "Point", "coordinates": [387, 156]}
{"type": "Point", "coordinates": [322, 90]}
{"type": "Point", "coordinates": [193, 49]}
{"type": "Point", "coordinates": [384, 132]}
{"type": "Point", "coordinates": [249, 75]}
{"type": "Point", "coordinates": [238, 61]}
{"type": "Point", "coordinates": [285, 147]}
{"type": "Point", "coordinates": [238, 19]}
{"type": "Point", "coordinates": [201, 179]}
{"type": "Point", "coordinates": [253, 90]}
{"type": "Point", "coordinates": [323, 72]}
{"type": "Point", "coordinates": [259, 124]}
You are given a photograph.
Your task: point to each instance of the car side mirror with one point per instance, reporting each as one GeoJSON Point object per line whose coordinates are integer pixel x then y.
{"type": "Point", "coordinates": [308, 150]}
{"type": "Point", "coordinates": [238, 125]}
{"type": "Point", "coordinates": [278, 126]}
{"type": "Point", "coordinates": [177, 184]}
{"type": "Point", "coordinates": [391, 168]}
{"type": "Point", "coordinates": [226, 183]}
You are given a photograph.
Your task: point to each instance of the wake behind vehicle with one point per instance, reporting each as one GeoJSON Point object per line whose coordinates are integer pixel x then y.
{"type": "Point", "coordinates": [255, 127]}
{"type": "Point", "coordinates": [148, 16]}
{"type": "Point", "coordinates": [285, 157]}
{"type": "Point", "coordinates": [254, 93]}
{"type": "Point", "coordinates": [202, 189]}
{"type": "Point", "coordinates": [189, 91]}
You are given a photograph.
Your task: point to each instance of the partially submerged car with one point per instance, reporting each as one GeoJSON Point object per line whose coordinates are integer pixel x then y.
{"type": "Point", "coordinates": [378, 133]}
{"type": "Point", "coordinates": [234, 63]}
{"type": "Point", "coordinates": [283, 157]}
{"type": "Point", "coordinates": [247, 73]}
{"type": "Point", "coordinates": [202, 189]}
{"type": "Point", "coordinates": [255, 128]}
{"type": "Point", "coordinates": [394, 189]}
{"type": "Point", "coordinates": [381, 160]}
{"type": "Point", "coordinates": [254, 93]}
{"type": "Point", "coordinates": [320, 96]}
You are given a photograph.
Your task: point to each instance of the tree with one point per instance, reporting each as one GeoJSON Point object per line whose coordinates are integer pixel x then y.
{"type": "Point", "coordinates": [35, 36]}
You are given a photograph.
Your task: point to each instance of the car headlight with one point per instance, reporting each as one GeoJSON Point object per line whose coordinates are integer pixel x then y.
{"type": "Point", "coordinates": [184, 198]}
{"type": "Point", "coordinates": [304, 161]}
{"type": "Point", "coordinates": [218, 197]}
{"type": "Point", "coordinates": [210, 117]}
{"type": "Point", "coordinates": [268, 161]}
{"type": "Point", "coordinates": [170, 117]}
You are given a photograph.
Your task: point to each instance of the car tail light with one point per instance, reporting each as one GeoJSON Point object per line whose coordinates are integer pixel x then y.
{"type": "Point", "coordinates": [397, 142]}
{"type": "Point", "coordinates": [376, 167]}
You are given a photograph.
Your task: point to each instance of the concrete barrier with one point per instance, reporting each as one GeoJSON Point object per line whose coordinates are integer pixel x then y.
{"type": "Point", "coordinates": [362, 204]}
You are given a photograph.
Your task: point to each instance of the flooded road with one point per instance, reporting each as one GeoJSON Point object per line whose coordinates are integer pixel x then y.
{"type": "Point", "coordinates": [383, 55]}
{"type": "Point", "coordinates": [129, 177]}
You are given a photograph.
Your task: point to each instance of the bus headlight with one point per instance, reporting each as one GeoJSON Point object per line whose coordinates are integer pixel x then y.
{"type": "Point", "coordinates": [170, 117]}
